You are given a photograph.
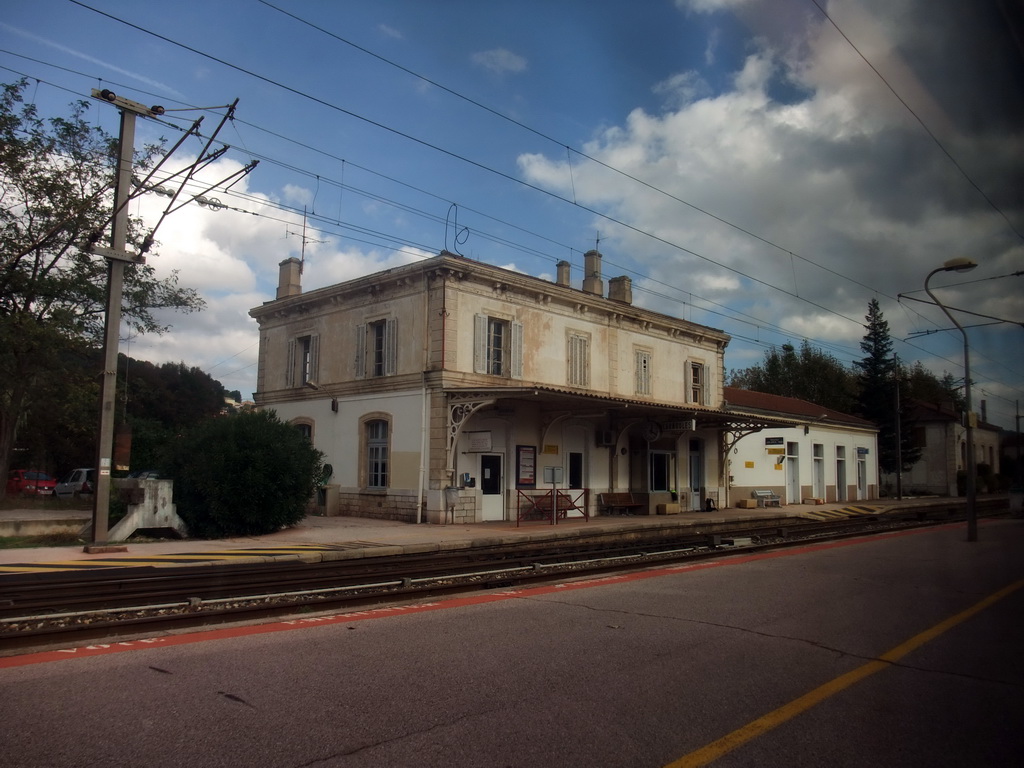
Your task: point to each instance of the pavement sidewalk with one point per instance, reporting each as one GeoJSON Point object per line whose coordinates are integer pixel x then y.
{"type": "Point", "coordinates": [356, 536]}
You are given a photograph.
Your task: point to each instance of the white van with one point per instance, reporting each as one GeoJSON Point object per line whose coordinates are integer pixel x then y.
{"type": "Point", "coordinates": [77, 482]}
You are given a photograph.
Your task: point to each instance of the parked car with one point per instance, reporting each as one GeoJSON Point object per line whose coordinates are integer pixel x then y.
{"type": "Point", "coordinates": [145, 474]}
{"type": "Point", "coordinates": [77, 482]}
{"type": "Point", "coordinates": [29, 482]}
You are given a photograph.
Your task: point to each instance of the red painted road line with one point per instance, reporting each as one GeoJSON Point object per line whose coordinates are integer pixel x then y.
{"type": "Point", "coordinates": [102, 649]}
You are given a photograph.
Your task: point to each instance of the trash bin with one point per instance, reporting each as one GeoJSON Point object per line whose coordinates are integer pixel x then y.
{"type": "Point", "coordinates": [327, 500]}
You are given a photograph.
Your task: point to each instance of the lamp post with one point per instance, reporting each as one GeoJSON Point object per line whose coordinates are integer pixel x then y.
{"type": "Point", "coordinates": [963, 265]}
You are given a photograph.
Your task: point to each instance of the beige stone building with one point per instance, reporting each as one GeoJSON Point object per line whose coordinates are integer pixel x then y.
{"type": "Point", "coordinates": [450, 386]}
{"type": "Point", "coordinates": [940, 433]}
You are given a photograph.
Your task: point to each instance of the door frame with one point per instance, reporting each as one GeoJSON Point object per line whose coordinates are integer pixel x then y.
{"type": "Point", "coordinates": [492, 504]}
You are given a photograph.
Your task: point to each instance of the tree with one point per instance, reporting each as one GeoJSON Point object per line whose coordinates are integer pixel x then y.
{"type": "Point", "coordinates": [56, 184]}
{"type": "Point", "coordinates": [876, 401]}
{"type": "Point", "coordinates": [925, 386]}
{"type": "Point", "coordinates": [160, 401]}
{"type": "Point", "coordinates": [244, 474]}
{"type": "Point", "coordinates": [810, 374]}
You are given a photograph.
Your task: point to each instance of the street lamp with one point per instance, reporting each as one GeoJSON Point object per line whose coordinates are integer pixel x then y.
{"type": "Point", "coordinates": [963, 265]}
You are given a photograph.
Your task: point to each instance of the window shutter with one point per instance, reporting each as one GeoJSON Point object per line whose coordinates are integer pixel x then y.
{"type": "Point", "coordinates": [390, 347]}
{"type": "Point", "coordinates": [579, 361]}
{"type": "Point", "coordinates": [361, 351]}
{"type": "Point", "coordinates": [516, 351]}
{"type": "Point", "coordinates": [643, 372]}
{"type": "Point", "coordinates": [480, 344]}
{"type": "Point", "coordinates": [314, 358]}
{"type": "Point", "coordinates": [290, 365]}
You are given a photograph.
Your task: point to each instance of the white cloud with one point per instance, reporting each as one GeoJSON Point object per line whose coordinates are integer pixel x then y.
{"type": "Point", "coordinates": [835, 181]}
{"type": "Point", "coordinates": [500, 61]}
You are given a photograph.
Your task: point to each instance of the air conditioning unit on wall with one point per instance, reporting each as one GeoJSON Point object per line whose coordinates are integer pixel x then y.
{"type": "Point", "coordinates": [605, 437]}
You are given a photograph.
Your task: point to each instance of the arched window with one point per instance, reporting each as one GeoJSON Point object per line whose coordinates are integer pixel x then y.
{"type": "Point", "coordinates": [305, 427]}
{"type": "Point", "coordinates": [377, 439]}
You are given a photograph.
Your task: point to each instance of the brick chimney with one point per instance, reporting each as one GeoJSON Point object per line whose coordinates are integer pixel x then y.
{"type": "Point", "coordinates": [289, 282]}
{"type": "Point", "coordinates": [592, 282]}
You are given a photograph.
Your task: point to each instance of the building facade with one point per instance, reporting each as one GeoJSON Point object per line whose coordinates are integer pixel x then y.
{"type": "Point", "coordinates": [942, 437]}
{"type": "Point", "coordinates": [450, 389]}
{"type": "Point", "coordinates": [820, 456]}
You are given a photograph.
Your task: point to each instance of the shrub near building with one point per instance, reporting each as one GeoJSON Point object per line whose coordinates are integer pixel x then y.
{"type": "Point", "coordinates": [243, 475]}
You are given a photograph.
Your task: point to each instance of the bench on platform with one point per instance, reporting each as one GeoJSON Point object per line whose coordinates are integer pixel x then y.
{"type": "Point", "coordinates": [766, 498]}
{"type": "Point", "coordinates": [620, 503]}
{"type": "Point", "coordinates": [541, 507]}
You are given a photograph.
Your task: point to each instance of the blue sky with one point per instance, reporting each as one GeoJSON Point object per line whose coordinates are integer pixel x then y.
{"type": "Point", "coordinates": [739, 159]}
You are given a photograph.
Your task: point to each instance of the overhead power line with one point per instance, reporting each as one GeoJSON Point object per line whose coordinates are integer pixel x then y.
{"type": "Point", "coordinates": [759, 323]}
{"type": "Point", "coordinates": [921, 122]}
{"type": "Point", "coordinates": [474, 163]}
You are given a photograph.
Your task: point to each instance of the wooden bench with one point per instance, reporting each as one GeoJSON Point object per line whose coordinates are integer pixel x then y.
{"type": "Point", "coordinates": [767, 498]}
{"type": "Point", "coordinates": [540, 507]}
{"type": "Point", "coordinates": [620, 503]}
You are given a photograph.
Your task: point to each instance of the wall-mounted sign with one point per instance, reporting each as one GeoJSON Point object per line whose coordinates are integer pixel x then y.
{"type": "Point", "coordinates": [863, 451]}
{"type": "Point", "coordinates": [748, 464]}
{"type": "Point", "coordinates": [774, 440]}
{"type": "Point", "coordinates": [526, 466]}
{"type": "Point", "coordinates": [776, 451]}
{"type": "Point", "coordinates": [552, 475]}
{"type": "Point", "coordinates": [551, 449]}
{"type": "Point", "coordinates": [479, 441]}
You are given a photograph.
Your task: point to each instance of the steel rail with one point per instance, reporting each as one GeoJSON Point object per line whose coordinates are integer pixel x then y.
{"type": "Point", "coordinates": [422, 574]}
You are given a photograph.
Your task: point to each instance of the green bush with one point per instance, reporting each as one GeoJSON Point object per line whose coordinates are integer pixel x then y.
{"type": "Point", "coordinates": [244, 474]}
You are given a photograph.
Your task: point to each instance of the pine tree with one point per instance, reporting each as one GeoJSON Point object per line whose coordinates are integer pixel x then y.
{"type": "Point", "coordinates": [877, 381]}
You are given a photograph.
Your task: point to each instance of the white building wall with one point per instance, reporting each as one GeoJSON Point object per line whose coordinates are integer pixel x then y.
{"type": "Point", "coordinates": [338, 434]}
{"type": "Point", "coordinates": [753, 467]}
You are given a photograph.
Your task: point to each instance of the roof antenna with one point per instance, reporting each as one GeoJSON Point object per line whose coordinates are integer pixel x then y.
{"type": "Point", "coordinates": [302, 251]}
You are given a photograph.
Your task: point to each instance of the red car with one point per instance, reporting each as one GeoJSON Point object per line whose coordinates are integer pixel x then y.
{"type": "Point", "coordinates": [29, 482]}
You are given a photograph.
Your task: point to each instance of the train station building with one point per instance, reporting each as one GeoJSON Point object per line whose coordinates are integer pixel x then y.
{"type": "Point", "coordinates": [450, 389]}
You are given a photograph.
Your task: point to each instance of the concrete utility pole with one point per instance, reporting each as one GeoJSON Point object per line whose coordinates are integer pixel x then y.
{"type": "Point", "coordinates": [899, 430]}
{"type": "Point", "coordinates": [117, 257]}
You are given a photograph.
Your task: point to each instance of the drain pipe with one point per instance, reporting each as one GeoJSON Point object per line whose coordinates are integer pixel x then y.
{"type": "Point", "coordinates": [423, 406]}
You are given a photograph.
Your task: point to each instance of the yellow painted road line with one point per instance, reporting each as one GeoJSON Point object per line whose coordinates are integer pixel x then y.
{"type": "Point", "coordinates": [786, 712]}
{"type": "Point", "coordinates": [37, 568]}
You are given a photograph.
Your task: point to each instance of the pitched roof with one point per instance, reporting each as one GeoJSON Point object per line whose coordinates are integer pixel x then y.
{"type": "Point", "coordinates": [748, 400]}
{"type": "Point", "coordinates": [921, 410]}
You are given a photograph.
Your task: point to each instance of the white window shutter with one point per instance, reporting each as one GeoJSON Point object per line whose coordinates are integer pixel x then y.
{"type": "Point", "coordinates": [516, 351]}
{"type": "Point", "coordinates": [480, 344]}
{"type": "Point", "coordinates": [361, 351]}
{"type": "Point", "coordinates": [314, 358]}
{"type": "Point", "coordinates": [290, 365]}
{"type": "Point", "coordinates": [390, 347]}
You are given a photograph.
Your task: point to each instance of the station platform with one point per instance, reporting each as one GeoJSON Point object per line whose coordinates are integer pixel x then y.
{"type": "Point", "coordinates": [327, 538]}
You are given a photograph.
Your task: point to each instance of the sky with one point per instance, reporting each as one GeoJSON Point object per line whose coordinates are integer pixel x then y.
{"type": "Point", "coordinates": [763, 167]}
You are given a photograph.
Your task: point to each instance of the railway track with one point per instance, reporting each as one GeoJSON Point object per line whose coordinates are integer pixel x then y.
{"type": "Point", "coordinates": [45, 608]}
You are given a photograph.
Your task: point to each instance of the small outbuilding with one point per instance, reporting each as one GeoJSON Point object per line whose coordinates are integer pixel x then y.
{"type": "Point", "coordinates": [814, 455]}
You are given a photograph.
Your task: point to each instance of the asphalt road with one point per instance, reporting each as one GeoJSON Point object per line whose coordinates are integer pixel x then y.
{"type": "Point", "coordinates": [903, 650]}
